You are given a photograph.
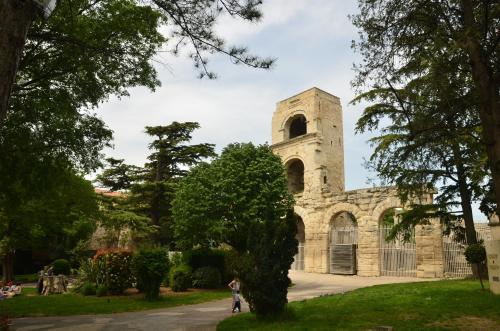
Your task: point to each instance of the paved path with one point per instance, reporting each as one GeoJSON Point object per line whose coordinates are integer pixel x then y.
{"type": "Point", "coordinates": [198, 317]}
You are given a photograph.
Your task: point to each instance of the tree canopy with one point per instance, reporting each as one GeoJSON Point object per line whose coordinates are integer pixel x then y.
{"type": "Point", "coordinates": [421, 64]}
{"type": "Point", "coordinates": [241, 200]}
{"type": "Point", "coordinates": [89, 50]}
{"type": "Point", "coordinates": [432, 141]}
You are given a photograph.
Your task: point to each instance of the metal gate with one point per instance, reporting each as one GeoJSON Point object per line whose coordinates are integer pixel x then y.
{"type": "Point", "coordinates": [397, 257]}
{"type": "Point", "coordinates": [343, 247]}
{"type": "Point", "coordinates": [455, 265]}
{"type": "Point", "coordinates": [298, 259]}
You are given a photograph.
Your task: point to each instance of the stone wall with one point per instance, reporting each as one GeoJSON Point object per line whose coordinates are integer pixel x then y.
{"type": "Point", "coordinates": [367, 206]}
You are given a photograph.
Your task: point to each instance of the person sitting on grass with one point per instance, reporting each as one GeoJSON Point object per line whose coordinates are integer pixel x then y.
{"type": "Point", "coordinates": [14, 290]}
{"type": "Point", "coordinates": [3, 296]}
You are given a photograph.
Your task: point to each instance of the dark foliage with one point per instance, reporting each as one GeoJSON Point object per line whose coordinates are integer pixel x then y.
{"type": "Point", "coordinates": [150, 268]}
{"type": "Point", "coordinates": [61, 267]}
{"type": "Point", "coordinates": [207, 277]}
{"type": "Point", "coordinates": [180, 278]}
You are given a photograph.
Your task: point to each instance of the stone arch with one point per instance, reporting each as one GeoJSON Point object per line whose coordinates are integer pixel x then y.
{"type": "Point", "coordinates": [343, 227]}
{"type": "Point", "coordinates": [295, 170]}
{"type": "Point", "coordinates": [342, 243]}
{"type": "Point", "coordinates": [339, 208]}
{"type": "Point", "coordinates": [295, 125]}
{"type": "Point", "coordinates": [298, 259]}
{"type": "Point", "coordinates": [383, 206]}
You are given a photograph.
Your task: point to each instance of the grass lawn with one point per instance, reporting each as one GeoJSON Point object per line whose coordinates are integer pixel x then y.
{"type": "Point", "coordinates": [31, 304]}
{"type": "Point", "coordinates": [440, 305]}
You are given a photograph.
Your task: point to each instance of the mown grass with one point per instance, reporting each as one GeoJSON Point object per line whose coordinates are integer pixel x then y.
{"type": "Point", "coordinates": [31, 304]}
{"type": "Point", "coordinates": [440, 305]}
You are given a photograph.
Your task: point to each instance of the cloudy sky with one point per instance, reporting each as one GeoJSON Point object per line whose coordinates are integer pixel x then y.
{"type": "Point", "coordinates": [311, 41]}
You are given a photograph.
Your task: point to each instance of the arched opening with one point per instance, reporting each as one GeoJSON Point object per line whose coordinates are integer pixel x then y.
{"type": "Point", "coordinates": [398, 255]}
{"type": "Point", "coordinates": [343, 243]}
{"type": "Point", "coordinates": [295, 175]}
{"type": "Point", "coordinates": [298, 259]}
{"type": "Point", "coordinates": [297, 126]}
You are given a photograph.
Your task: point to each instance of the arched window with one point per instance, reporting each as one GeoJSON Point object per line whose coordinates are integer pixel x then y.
{"type": "Point", "coordinates": [295, 175]}
{"type": "Point", "coordinates": [297, 126]}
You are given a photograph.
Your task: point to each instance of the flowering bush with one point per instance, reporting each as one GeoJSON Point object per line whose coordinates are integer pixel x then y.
{"type": "Point", "coordinates": [114, 270]}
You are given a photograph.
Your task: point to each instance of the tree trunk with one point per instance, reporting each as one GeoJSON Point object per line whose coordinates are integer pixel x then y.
{"type": "Point", "coordinates": [8, 267]}
{"type": "Point", "coordinates": [488, 92]}
{"type": "Point", "coordinates": [465, 197]}
{"type": "Point", "coordinates": [16, 18]}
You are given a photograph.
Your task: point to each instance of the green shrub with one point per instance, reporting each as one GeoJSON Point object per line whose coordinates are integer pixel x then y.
{"type": "Point", "coordinates": [101, 291]}
{"type": "Point", "coordinates": [207, 277]}
{"type": "Point", "coordinates": [150, 269]}
{"type": "Point", "coordinates": [114, 270]}
{"type": "Point", "coordinates": [475, 253]}
{"type": "Point", "coordinates": [61, 267]}
{"type": "Point", "coordinates": [176, 258]}
{"type": "Point", "coordinates": [88, 289]}
{"type": "Point", "coordinates": [180, 278]}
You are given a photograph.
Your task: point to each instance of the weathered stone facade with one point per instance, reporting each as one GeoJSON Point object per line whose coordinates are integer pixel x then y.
{"type": "Point", "coordinates": [307, 135]}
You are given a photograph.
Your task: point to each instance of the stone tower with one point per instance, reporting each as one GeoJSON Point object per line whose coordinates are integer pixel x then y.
{"type": "Point", "coordinates": [307, 135]}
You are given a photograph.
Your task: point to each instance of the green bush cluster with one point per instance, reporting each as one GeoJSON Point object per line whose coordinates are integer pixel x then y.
{"type": "Point", "coordinates": [61, 267]}
{"type": "Point", "coordinates": [88, 289]}
{"type": "Point", "coordinates": [180, 278]}
{"type": "Point", "coordinates": [101, 291]}
{"type": "Point", "coordinates": [108, 270]}
{"type": "Point", "coordinates": [206, 277]}
{"type": "Point", "coordinates": [150, 267]}
{"type": "Point", "coordinates": [221, 259]}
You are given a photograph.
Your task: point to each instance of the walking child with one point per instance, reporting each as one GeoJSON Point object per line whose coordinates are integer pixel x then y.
{"type": "Point", "coordinates": [236, 302]}
{"type": "Point", "coordinates": [235, 288]}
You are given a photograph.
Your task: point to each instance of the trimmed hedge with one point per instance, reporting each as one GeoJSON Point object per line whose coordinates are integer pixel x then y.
{"type": "Point", "coordinates": [207, 277]}
{"type": "Point", "coordinates": [180, 278]}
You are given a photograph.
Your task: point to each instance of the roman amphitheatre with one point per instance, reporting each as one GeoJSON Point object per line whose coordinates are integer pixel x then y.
{"type": "Point", "coordinates": [343, 232]}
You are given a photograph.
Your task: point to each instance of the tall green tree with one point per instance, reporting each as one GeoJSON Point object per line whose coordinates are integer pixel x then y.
{"type": "Point", "coordinates": [115, 36]}
{"type": "Point", "coordinates": [149, 191]}
{"type": "Point", "coordinates": [241, 200]}
{"type": "Point", "coordinates": [396, 36]}
{"type": "Point", "coordinates": [170, 158]}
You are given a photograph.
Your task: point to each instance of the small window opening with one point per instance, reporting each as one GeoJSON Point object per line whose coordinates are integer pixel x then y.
{"type": "Point", "coordinates": [298, 127]}
{"type": "Point", "coordinates": [295, 174]}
